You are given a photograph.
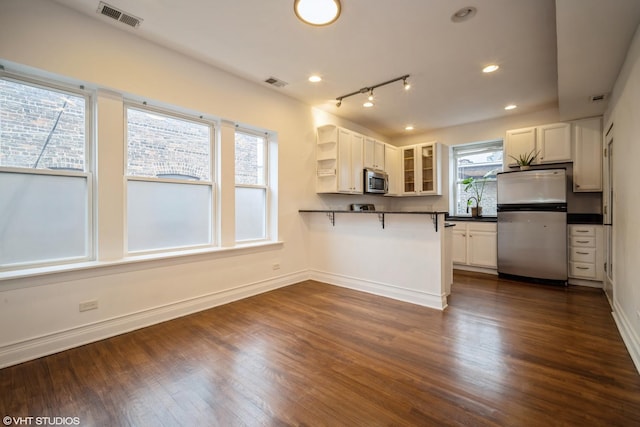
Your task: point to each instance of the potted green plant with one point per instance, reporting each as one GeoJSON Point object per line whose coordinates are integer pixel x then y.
{"type": "Point", "coordinates": [525, 160]}
{"type": "Point", "coordinates": [477, 186]}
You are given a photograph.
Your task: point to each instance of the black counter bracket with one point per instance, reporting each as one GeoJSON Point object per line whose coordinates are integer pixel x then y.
{"type": "Point", "coordinates": [331, 214]}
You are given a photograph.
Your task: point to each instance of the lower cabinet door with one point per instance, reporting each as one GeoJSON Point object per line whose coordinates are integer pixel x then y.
{"type": "Point", "coordinates": [459, 253]}
{"type": "Point", "coordinates": [482, 248]}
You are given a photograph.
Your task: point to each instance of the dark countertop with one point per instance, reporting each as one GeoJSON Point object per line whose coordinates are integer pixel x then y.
{"type": "Point", "coordinates": [584, 218]}
{"type": "Point", "coordinates": [471, 218]}
{"type": "Point", "coordinates": [572, 218]}
{"type": "Point", "coordinates": [374, 211]}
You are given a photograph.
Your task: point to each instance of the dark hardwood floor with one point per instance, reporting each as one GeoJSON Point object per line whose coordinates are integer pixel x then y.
{"type": "Point", "coordinates": [503, 354]}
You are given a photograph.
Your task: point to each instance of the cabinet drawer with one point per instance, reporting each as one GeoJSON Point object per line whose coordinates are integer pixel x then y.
{"type": "Point", "coordinates": [582, 230]}
{"type": "Point", "coordinates": [583, 241]}
{"type": "Point", "coordinates": [583, 255]}
{"type": "Point", "coordinates": [581, 269]}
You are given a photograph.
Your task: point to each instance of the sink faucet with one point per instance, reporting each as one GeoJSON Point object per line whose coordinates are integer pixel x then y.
{"type": "Point", "coordinates": [469, 202]}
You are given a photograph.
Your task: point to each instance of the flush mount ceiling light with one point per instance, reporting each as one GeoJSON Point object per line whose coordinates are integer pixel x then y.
{"type": "Point", "coordinates": [317, 12]}
{"type": "Point", "coordinates": [511, 107]}
{"type": "Point", "coordinates": [490, 68]}
{"type": "Point", "coordinates": [464, 14]}
{"type": "Point", "coordinates": [315, 78]}
{"type": "Point", "coordinates": [370, 89]}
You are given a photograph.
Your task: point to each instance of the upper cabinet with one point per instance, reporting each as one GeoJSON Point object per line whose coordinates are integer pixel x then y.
{"type": "Point", "coordinates": [587, 148]}
{"type": "Point", "coordinates": [552, 143]}
{"type": "Point", "coordinates": [421, 170]}
{"type": "Point", "coordinates": [392, 168]}
{"type": "Point", "coordinates": [518, 142]}
{"type": "Point", "coordinates": [339, 162]}
{"type": "Point", "coordinates": [579, 142]}
{"type": "Point", "coordinates": [374, 154]}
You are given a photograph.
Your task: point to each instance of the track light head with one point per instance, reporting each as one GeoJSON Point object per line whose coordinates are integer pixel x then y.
{"type": "Point", "coordinates": [406, 84]}
{"type": "Point", "coordinates": [339, 103]}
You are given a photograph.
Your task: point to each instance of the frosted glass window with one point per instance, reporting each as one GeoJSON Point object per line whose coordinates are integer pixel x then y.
{"type": "Point", "coordinates": [163, 215]}
{"type": "Point", "coordinates": [250, 213]}
{"type": "Point", "coordinates": [251, 186]}
{"type": "Point", "coordinates": [164, 146]}
{"type": "Point", "coordinates": [43, 218]}
{"type": "Point", "coordinates": [41, 128]}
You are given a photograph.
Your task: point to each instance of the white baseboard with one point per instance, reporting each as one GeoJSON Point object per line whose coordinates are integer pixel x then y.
{"type": "Point", "coordinates": [629, 336]}
{"type": "Point", "coordinates": [63, 340]}
{"type": "Point", "coordinates": [407, 295]}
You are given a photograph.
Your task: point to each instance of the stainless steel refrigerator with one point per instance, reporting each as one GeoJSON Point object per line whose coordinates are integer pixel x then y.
{"type": "Point", "coordinates": [532, 224]}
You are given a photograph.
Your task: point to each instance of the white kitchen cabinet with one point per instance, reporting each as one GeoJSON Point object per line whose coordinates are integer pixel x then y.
{"type": "Point", "coordinates": [392, 168]}
{"type": "Point", "coordinates": [552, 142]}
{"type": "Point", "coordinates": [587, 148]}
{"type": "Point", "coordinates": [421, 170]}
{"type": "Point", "coordinates": [339, 161]}
{"type": "Point", "coordinates": [374, 154]}
{"type": "Point", "coordinates": [475, 244]}
{"type": "Point", "coordinates": [482, 247]}
{"type": "Point", "coordinates": [586, 255]}
{"type": "Point", "coordinates": [459, 243]}
{"type": "Point", "coordinates": [518, 142]}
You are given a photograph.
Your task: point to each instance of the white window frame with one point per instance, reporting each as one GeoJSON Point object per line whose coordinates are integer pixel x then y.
{"type": "Point", "coordinates": [266, 186]}
{"type": "Point", "coordinates": [213, 237]}
{"type": "Point", "coordinates": [461, 151]}
{"type": "Point", "coordinates": [87, 173]}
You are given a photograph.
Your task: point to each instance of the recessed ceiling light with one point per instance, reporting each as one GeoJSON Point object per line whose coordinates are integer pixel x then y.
{"type": "Point", "coordinates": [315, 78]}
{"type": "Point", "coordinates": [511, 107]}
{"type": "Point", "coordinates": [408, 127]}
{"type": "Point", "coordinates": [317, 12]}
{"type": "Point", "coordinates": [464, 14]}
{"type": "Point", "coordinates": [490, 68]}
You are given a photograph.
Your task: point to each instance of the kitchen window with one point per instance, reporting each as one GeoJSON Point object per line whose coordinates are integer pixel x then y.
{"type": "Point", "coordinates": [251, 182]}
{"type": "Point", "coordinates": [480, 161]}
{"type": "Point", "coordinates": [170, 190]}
{"type": "Point", "coordinates": [45, 179]}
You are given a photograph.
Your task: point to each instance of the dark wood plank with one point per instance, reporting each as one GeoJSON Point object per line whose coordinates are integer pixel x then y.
{"type": "Point", "coordinates": [503, 353]}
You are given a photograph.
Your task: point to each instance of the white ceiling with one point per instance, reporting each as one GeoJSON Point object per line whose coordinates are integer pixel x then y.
{"type": "Point", "coordinates": [377, 40]}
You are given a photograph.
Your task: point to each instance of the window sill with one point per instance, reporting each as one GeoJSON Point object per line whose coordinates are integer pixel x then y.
{"type": "Point", "coordinates": [98, 268]}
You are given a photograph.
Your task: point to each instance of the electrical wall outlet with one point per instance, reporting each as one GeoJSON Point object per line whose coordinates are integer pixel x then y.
{"type": "Point", "coordinates": [88, 305]}
{"type": "Point", "coordinates": [275, 266]}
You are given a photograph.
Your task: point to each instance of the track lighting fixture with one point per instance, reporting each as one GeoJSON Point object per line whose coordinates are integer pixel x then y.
{"type": "Point", "coordinates": [369, 102]}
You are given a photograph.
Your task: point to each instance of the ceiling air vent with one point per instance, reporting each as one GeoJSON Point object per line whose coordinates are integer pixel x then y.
{"type": "Point", "coordinates": [598, 98]}
{"type": "Point", "coordinates": [118, 15]}
{"type": "Point", "coordinates": [276, 82]}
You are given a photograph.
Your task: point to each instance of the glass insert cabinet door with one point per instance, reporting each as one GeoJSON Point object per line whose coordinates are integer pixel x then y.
{"type": "Point", "coordinates": [408, 169]}
{"type": "Point", "coordinates": [427, 169]}
{"type": "Point", "coordinates": [420, 170]}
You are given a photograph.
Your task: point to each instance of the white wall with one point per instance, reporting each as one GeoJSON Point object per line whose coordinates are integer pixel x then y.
{"type": "Point", "coordinates": [623, 113]}
{"type": "Point", "coordinates": [403, 261]}
{"type": "Point", "coordinates": [40, 314]}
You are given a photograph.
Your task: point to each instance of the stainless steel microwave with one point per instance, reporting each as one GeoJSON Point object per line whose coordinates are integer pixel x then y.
{"type": "Point", "coordinates": [375, 182]}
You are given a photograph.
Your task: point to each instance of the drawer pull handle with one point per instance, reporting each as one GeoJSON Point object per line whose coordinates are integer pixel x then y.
{"type": "Point", "coordinates": [582, 241]}
{"type": "Point", "coordinates": [582, 253]}
{"type": "Point", "coordinates": [582, 268]}
{"type": "Point", "coordinates": [582, 231]}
